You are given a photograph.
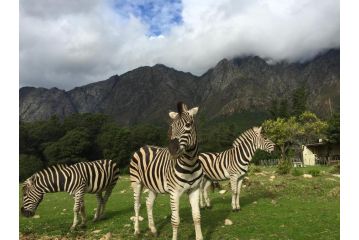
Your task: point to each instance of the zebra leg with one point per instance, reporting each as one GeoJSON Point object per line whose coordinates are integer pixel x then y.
{"type": "Point", "coordinates": [149, 204]}
{"type": "Point", "coordinates": [79, 201]}
{"type": "Point", "coordinates": [239, 184]}
{"type": "Point", "coordinates": [206, 187]}
{"type": "Point", "coordinates": [99, 206]}
{"type": "Point", "coordinates": [196, 214]}
{"type": "Point", "coordinates": [83, 215]}
{"type": "Point", "coordinates": [105, 199]}
{"type": "Point", "coordinates": [137, 188]}
{"type": "Point", "coordinates": [201, 189]}
{"type": "Point", "coordinates": [233, 180]}
{"type": "Point", "coordinates": [175, 219]}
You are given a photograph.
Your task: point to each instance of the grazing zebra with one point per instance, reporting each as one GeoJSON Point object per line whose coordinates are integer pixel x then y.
{"type": "Point", "coordinates": [174, 170]}
{"type": "Point", "coordinates": [77, 179]}
{"type": "Point", "coordinates": [232, 164]}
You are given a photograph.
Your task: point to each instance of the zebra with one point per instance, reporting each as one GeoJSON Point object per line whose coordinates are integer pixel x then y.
{"type": "Point", "coordinates": [232, 164]}
{"type": "Point", "coordinates": [77, 179]}
{"type": "Point", "coordinates": [173, 170]}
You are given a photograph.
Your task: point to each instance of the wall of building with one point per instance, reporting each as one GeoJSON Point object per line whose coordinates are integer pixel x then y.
{"type": "Point", "coordinates": [308, 157]}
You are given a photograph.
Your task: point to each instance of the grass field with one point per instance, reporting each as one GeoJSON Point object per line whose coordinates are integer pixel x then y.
{"type": "Point", "coordinates": [288, 207]}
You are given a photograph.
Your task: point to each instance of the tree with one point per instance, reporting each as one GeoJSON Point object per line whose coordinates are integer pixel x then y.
{"type": "Point", "coordinates": [71, 148]}
{"type": "Point", "coordinates": [312, 128]}
{"type": "Point", "coordinates": [115, 144]}
{"type": "Point", "coordinates": [299, 100]}
{"type": "Point", "coordinates": [283, 132]}
{"type": "Point", "coordinates": [28, 165]}
{"type": "Point", "coordinates": [333, 130]}
{"type": "Point", "coordinates": [299, 130]}
{"type": "Point", "coordinates": [279, 109]}
{"type": "Point", "coordinates": [35, 136]}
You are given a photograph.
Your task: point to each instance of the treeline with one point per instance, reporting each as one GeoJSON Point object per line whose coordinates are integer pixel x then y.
{"type": "Point", "coordinates": [81, 137]}
{"type": "Point", "coordinates": [86, 137]}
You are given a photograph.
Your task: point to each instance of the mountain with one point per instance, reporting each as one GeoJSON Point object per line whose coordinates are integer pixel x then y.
{"type": "Point", "coordinates": [146, 94]}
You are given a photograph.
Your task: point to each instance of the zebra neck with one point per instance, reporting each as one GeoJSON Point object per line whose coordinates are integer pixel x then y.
{"type": "Point", "coordinates": [245, 150]}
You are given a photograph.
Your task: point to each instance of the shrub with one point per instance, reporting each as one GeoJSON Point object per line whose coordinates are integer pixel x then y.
{"type": "Point", "coordinates": [284, 166]}
{"type": "Point", "coordinates": [335, 169]}
{"type": "Point", "coordinates": [297, 172]}
{"type": "Point", "coordinates": [314, 172]}
{"type": "Point", "coordinates": [28, 165]}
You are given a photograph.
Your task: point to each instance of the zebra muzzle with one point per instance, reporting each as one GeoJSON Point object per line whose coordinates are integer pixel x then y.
{"type": "Point", "coordinates": [174, 146]}
{"type": "Point", "coordinates": [27, 213]}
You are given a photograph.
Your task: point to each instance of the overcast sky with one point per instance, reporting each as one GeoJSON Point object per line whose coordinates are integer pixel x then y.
{"type": "Point", "coordinates": [70, 43]}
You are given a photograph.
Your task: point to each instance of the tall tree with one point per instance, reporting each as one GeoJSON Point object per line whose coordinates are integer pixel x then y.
{"type": "Point", "coordinates": [299, 100]}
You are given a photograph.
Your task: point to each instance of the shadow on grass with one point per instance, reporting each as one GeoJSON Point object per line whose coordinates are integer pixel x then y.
{"type": "Point", "coordinates": [212, 218]}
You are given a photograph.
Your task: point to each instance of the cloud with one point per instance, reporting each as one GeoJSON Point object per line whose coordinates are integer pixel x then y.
{"type": "Point", "coordinates": [71, 43]}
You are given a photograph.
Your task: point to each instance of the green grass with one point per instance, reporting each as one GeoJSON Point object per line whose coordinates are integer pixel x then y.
{"type": "Point", "coordinates": [289, 207]}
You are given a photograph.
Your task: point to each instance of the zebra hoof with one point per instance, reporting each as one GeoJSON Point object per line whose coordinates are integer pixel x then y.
{"type": "Point", "coordinates": [137, 233]}
{"type": "Point", "coordinates": [209, 207]}
{"type": "Point", "coordinates": [154, 234]}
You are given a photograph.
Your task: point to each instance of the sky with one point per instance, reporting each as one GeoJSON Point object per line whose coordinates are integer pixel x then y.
{"type": "Point", "coordinates": [69, 43]}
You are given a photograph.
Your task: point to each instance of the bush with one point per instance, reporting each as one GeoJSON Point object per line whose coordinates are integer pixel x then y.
{"type": "Point", "coordinates": [314, 172]}
{"type": "Point", "coordinates": [71, 148]}
{"type": "Point", "coordinates": [335, 169]}
{"type": "Point", "coordinates": [297, 172]}
{"type": "Point", "coordinates": [284, 166]}
{"type": "Point", "coordinates": [28, 165]}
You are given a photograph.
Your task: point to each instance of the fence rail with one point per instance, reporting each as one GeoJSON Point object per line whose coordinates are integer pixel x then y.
{"type": "Point", "coordinates": [297, 162]}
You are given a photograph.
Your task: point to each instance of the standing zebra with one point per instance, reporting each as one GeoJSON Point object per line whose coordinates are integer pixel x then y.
{"type": "Point", "coordinates": [232, 164]}
{"type": "Point", "coordinates": [77, 179]}
{"type": "Point", "coordinates": [174, 170]}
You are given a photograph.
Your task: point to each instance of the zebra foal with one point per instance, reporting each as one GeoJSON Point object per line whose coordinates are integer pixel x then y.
{"type": "Point", "coordinates": [232, 164]}
{"type": "Point", "coordinates": [77, 179]}
{"type": "Point", "coordinates": [174, 170]}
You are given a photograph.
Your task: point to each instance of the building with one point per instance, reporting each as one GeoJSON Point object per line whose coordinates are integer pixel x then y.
{"type": "Point", "coordinates": [321, 153]}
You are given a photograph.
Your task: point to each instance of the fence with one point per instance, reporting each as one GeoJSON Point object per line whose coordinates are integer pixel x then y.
{"type": "Point", "coordinates": [272, 162]}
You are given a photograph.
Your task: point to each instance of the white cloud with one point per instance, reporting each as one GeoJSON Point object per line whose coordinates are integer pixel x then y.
{"type": "Point", "coordinates": [67, 44]}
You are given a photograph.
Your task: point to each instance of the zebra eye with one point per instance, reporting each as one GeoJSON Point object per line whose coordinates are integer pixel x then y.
{"type": "Point", "coordinates": [188, 124]}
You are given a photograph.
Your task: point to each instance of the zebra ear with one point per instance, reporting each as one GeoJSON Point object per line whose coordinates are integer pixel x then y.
{"type": "Point", "coordinates": [193, 111]}
{"type": "Point", "coordinates": [173, 115]}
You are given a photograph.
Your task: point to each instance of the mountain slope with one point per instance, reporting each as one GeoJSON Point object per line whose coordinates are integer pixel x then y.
{"type": "Point", "coordinates": [146, 94]}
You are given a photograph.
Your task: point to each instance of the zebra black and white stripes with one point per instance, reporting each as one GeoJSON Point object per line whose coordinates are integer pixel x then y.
{"type": "Point", "coordinates": [77, 179]}
{"type": "Point", "coordinates": [232, 164]}
{"type": "Point", "coordinates": [173, 170]}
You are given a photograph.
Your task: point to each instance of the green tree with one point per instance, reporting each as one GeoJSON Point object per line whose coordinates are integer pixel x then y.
{"type": "Point", "coordinates": [146, 134]}
{"type": "Point", "coordinates": [312, 128]}
{"type": "Point", "coordinates": [71, 148]}
{"type": "Point", "coordinates": [283, 132]}
{"type": "Point", "coordinates": [279, 108]}
{"type": "Point", "coordinates": [115, 144]}
{"type": "Point", "coordinates": [333, 130]}
{"type": "Point", "coordinates": [36, 135]}
{"type": "Point", "coordinates": [299, 100]}
{"type": "Point", "coordinates": [28, 165]}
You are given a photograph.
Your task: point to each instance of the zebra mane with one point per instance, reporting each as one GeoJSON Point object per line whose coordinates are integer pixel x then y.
{"type": "Point", "coordinates": [240, 138]}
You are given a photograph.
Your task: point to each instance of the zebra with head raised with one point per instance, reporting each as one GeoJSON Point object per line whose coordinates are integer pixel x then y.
{"type": "Point", "coordinates": [232, 164]}
{"type": "Point", "coordinates": [77, 179]}
{"type": "Point", "coordinates": [174, 170]}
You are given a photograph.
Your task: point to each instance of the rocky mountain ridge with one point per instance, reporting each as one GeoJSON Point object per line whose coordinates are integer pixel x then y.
{"type": "Point", "coordinates": [146, 94]}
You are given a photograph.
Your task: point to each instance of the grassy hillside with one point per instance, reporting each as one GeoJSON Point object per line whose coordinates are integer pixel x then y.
{"type": "Point", "coordinates": [288, 207]}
